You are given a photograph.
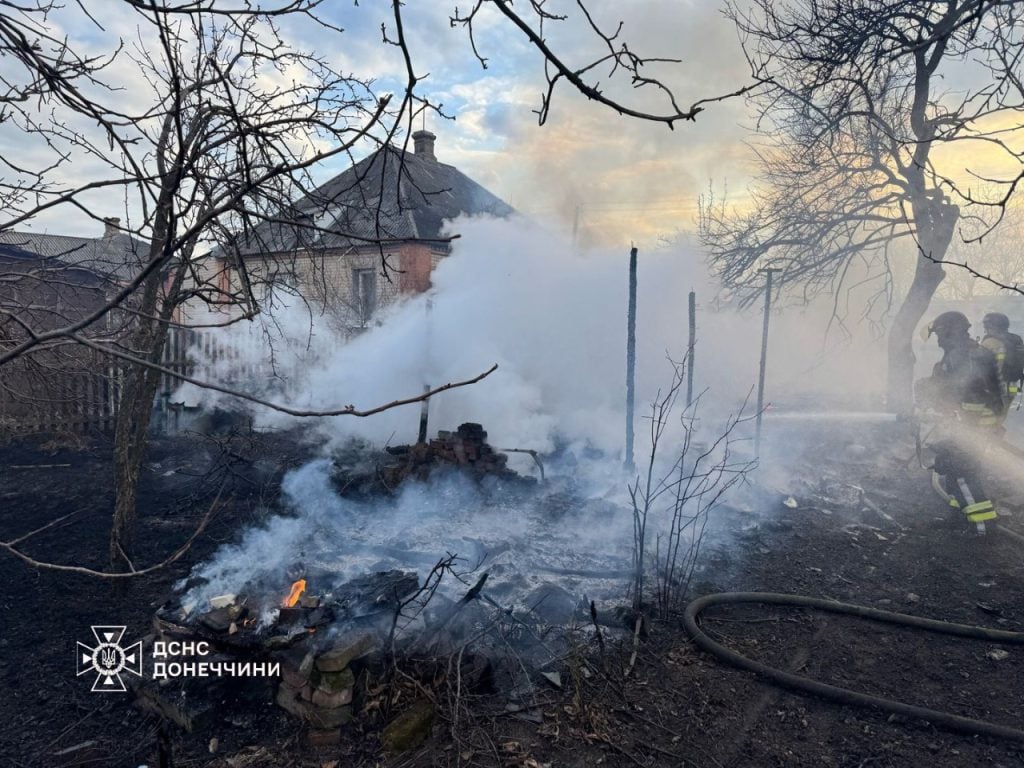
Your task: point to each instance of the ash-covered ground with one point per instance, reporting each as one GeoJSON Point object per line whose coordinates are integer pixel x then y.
{"type": "Point", "coordinates": [522, 535]}
{"type": "Point", "coordinates": [804, 525]}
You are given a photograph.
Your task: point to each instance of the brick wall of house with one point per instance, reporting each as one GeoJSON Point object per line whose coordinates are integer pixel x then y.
{"type": "Point", "coordinates": [435, 257]}
{"type": "Point", "coordinates": [415, 263]}
{"type": "Point", "coordinates": [330, 279]}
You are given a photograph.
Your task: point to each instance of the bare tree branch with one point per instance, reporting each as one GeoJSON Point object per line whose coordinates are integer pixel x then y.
{"type": "Point", "coordinates": [11, 546]}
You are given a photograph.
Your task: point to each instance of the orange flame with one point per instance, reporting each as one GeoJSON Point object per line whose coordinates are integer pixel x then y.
{"type": "Point", "coordinates": [296, 592]}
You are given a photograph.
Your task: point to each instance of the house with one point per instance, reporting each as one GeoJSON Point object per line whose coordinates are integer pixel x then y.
{"type": "Point", "coordinates": [329, 245]}
{"type": "Point", "coordinates": [49, 282]}
{"type": "Point", "coordinates": [52, 280]}
{"type": "Point", "coordinates": [114, 254]}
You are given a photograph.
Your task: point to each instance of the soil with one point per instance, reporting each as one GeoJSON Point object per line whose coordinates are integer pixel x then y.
{"type": "Point", "coordinates": [866, 528]}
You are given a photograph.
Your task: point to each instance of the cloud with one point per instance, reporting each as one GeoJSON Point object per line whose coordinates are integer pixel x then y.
{"type": "Point", "coordinates": [586, 154]}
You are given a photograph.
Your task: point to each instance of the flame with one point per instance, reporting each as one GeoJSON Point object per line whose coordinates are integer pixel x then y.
{"type": "Point", "coordinates": [296, 592]}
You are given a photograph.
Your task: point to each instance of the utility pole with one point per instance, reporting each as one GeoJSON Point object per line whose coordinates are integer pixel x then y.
{"type": "Point", "coordinates": [631, 359]}
{"type": "Point", "coordinates": [691, 345]}
{"type": "Point", "coordinates": [764, 356]}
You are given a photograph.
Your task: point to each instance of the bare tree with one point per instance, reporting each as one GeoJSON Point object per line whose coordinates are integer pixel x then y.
{"type": "Point", "coordinates": [220, 143]}
{"type": "Point", "coordinates": [681, 483]}
{"type": "Point", "coordinates": [986, 261]}
{"type": "Point", "coordinates": [868, 145]}
{"type": "Point", "coordinates": [224, 141]}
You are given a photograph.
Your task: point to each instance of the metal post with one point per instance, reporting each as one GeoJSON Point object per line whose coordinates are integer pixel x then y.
{"type": "Point", "coordinates": [690, 348]}
{"type": "Point", "coordinates": [630, 359]}
{"type": "Point", "coordinates": [424, 409]}
{"type": "Point", "coordinates": [764, 358]}
{"type": "Point", "coordinates": [425, 404]}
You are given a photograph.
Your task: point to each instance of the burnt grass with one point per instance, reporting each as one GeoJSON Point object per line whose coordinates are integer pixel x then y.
{"type": "Point", "coordinates": [674, 705]}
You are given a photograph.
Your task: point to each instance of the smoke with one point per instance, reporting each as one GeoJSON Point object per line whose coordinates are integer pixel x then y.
{"type": "Point", "coordinates": [554, 320]}
{"type": "Point", "coordinates": [523, 539]}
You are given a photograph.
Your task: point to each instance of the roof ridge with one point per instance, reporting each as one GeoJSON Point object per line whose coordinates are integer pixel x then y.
{"type": "Point", "coordinates": [390, 194]}
{"type": "Point", "coordinates": [27, 233]}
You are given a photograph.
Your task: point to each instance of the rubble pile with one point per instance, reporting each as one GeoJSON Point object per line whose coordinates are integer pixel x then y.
{"type": "Point", "coordinates": [321, 646]}
{"type": "Point", "coordinates": [318, 686]}
{"type": "Point", "coordinates": [315, 645]}
{"type": "Point", "coordinates": [466, 448]}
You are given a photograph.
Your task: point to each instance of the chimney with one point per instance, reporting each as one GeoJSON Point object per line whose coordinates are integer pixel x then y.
{"type": "Point", "coordinates": [423, 144]}
{"type": "Point", "coordinates": [111, 226]}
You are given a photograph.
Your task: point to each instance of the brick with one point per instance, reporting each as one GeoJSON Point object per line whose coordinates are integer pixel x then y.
{"type": "Point", "coordinates": [318, 738]}
{"type": "Point", "coordinates": [316, 716]}
{"type": "Point", "coordinates": [409, 729]}
{"type": "Point", "coordinates": [330, 718]}
{"type": "Point", "coordinates": [334, 700]}
{"type": "Point", "coordinates": [334, 682]}
{"type": "Point", "coordinates": [346, 650]}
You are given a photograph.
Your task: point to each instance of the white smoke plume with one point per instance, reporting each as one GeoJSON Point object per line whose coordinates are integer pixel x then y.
{"type": "Point", "coordinates": [554, 319]}
{"type": "Point", "coordinates": [555, 322]}
{"type": "Point", "coordinates": [515, 537]}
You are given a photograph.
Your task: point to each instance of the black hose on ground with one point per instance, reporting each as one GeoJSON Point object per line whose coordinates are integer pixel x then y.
{"type": "Point", "coordinates": [844, 695]}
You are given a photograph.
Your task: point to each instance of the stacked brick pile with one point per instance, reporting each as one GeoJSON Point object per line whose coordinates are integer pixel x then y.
{"type": "Point", "coordinates": [319, 671]}
{"type": "Point", "coordinates": [466, 448]}
{"type": "Point", "coordinates": [318, 686]}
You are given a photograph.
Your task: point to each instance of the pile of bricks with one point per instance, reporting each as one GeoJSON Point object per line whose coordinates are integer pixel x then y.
{"type": "Point", "coordinates": [466, 448]}
{"type": "Point", "coordinates": [317, 685]}
{"type": "Point", "coordinates": [317, 654]}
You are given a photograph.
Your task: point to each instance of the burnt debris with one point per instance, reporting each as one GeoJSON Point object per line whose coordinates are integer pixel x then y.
{"type": "Point", "coordinates": [465, 449]}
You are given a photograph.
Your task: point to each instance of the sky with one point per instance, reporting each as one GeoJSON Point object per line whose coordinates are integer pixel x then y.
{"type": "Point", "coordinates": [617, 180]}
{"type": "Point", "coordinates": [620, 180]}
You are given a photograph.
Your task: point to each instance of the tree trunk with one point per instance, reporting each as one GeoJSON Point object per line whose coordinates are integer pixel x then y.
{"type": "Point", "coordinates": [137, 397]}
{"type": "Point", "coordinates": [935, 223]}
{"type": "Point", "coordinates": [160, 296]}
{"type": "Point", "coordinates": [136, 407]}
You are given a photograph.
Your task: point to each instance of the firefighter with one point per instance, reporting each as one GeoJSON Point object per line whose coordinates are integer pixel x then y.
{"type": "Point", "coordinates": [964, 387]}
{"type": "Point", "coordinates": [1009, 351]}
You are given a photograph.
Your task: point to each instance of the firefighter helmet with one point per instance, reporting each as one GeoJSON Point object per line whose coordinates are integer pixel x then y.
{"type": "Point", "coordinates": [949, 322]}
{"type": "Point", "coordinates": [997, 321]}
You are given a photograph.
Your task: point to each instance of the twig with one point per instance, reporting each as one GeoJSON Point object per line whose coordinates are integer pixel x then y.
{"type": "Point", "coordinates": [655, 748]}
{"type": "Point", "coordinates": [71, 727]}
{"type": "Point", "coordinates": [40, 529]}
{"type": "Point", "coordinates": [348, 410]}
{"type": "Point", "coordinates": [471, 595]}
{"type": "Point", "coordinates": [37, 466]}
{"type": "Point", "coordinates": [622, 751]}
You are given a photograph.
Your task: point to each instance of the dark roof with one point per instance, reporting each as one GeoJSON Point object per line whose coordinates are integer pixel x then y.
{"type": "Point", "coordinates": [14, 252]}
{"type": "Point", "coordinates": [390, 196]}
{"type": "Point", "coordinates": [117, 256]}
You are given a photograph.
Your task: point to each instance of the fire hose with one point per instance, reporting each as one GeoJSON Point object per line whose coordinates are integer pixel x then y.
{"type": "Point", "coordinates": [845, 695]}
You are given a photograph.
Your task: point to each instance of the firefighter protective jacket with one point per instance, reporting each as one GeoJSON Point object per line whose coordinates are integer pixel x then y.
{"type": "Point", "coordinates": [967, 380]}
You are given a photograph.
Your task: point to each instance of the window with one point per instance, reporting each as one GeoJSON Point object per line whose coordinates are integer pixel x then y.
{"type": "Point", "coordinates": [364, 293]}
